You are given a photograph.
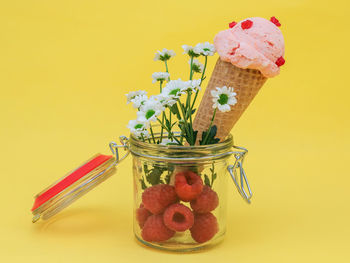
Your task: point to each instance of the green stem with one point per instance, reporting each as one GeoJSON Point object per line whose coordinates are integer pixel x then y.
{"type": "Point", "coordinates": [162, 129]}
{"type": "Point", "coordinates": [169, 122]}
{"type": "Point", "coordinates": [154, 141]}
{"type": "Point", "coordinates": [191, 120]}
{"type": "Point", "coordinates": [191, 71]}
{"type": "Point", "coordinates": [143, 138]}
{"type": "Point", "coordinates": [211, 124]}
{"type": "Point", "coordinates": [172, 135]}
{"type": "Point", "coordinates": [166, 67]}
{"type": "Point", "coordinates": [184, 118]}
{"type": "Point", "coordinates": [188, 103]}
{"type": "Point", "coordinates": [191, 130]}
{"type": "Point", "coordinates": [205, 66]}
{"type": "Point", "coordinates": [194, 100]}
{"type": "Point", "coordinates": [163, 116]}
{"type": "Point", "coordinates": [160, 86]}
{"type": "Point", "coordinates": [189, 115]}
{"type": "Point", "coordinates": [202, 78]}
{"type": "Point", "coordinates": [177, 112]}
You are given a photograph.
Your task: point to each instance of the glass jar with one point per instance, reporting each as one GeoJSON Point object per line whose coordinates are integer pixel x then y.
{"type": "Point", "coordinates": [180, 193]}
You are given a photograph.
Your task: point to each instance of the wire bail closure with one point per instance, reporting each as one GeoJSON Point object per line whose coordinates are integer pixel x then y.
{"type": "Point", "coordinates": [114, 148]}
{"type": "Point", "coordinates": [238, 165]}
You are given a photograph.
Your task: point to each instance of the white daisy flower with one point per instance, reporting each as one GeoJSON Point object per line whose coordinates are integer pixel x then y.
{"type": "Point", "coordinates": [160, 76]}
{"type": "Point", "coordinates": [189, 50]}
{"type": "Point", "coordinates": [164, 55]}
{"type": "Point", "coordinates": [139, 100]}
{"type": "Point", "coordinates": [131, 95]}
{"type": "Point", "coordinates": [196, 66]}
{"type": "Point", "coordinates": [150, 110]}
{"type": "Point", "coordinates": [166, 101]}
{"type": "Point", "coordinates": [192, 85]}
{"type": "Point", "coordinates": [205, 49]}
{"type": "Point", "coordinates": [139, 129]}
{"type": "Point", "coordinates": [173, 89]}
{"type": "Point", "coordinates": [223, 98]}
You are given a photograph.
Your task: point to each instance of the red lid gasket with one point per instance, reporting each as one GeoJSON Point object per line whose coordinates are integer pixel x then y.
{"type": "Point", "coordinates": [70, 179]}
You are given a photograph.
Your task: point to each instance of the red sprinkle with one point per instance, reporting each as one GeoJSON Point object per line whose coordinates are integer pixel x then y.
{"type": "Point", "coordinates": [275, 21]}
{"type": "Point", "coordinates": [233, 51]}
{"type": "Point", "coordinates": [232, 24]}
{"type": "Point", "coordinates": [247, 24]}
{"type": "Point", "coordinates": [280, 61]}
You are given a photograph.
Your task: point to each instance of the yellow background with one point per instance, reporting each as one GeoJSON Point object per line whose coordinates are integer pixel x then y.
{"type": "Point", "coordinates": [64, 69]}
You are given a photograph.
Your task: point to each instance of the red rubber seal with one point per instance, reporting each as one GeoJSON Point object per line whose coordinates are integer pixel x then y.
{"type": "Point", "coordinates": [70, 179]}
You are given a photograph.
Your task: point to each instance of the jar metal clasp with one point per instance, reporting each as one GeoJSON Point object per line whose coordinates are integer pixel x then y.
{"type": "Point", "coordinates": [114, 149]}
{"type": "Point", "coordinates": [238, 174]}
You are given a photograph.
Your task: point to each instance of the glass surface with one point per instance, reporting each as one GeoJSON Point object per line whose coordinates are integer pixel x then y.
{"type": "Point", "coordinates": [159, 220]}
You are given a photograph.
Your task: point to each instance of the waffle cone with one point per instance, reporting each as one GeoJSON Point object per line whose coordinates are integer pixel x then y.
{"type": "Point", "coordinates": [246, 83]}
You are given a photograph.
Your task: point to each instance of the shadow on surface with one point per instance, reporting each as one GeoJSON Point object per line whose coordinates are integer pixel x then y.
{"type": "Point", "coordinates": [261, 226]}
{"type": "Point", "coordinates": [85, 221]}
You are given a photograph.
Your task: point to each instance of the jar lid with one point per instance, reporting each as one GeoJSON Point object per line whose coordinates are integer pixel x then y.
{"type": "Point", "coordinates": [76, 183]}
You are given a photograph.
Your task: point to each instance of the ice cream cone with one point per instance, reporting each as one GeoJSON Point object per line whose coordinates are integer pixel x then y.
{"type": "Point", "coordinates": [246, 83]}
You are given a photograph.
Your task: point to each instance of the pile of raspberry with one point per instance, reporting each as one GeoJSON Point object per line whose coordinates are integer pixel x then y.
{"type": "Point", "coordinates": [161, 213]}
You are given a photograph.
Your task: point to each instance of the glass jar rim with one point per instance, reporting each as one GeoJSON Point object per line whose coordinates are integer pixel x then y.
{"type": "Point", "coordinates": [228, 142]}
{"type": "Point", "coordinates": [175, 152]}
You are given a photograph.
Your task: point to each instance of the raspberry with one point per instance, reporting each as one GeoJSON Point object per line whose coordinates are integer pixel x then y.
{"type": "Point", "coordinates": [141, 215]}
{"type": "Point", "coordinates": [280, 61]}
{"type": "Point", "coordinates": [232, 24]}
{"type": "Point", "coordinates": [207, 201]}
{"type": "Point", "coordinates": [178, 217]}
{"type": "Point", "coordinates": [188, 185]}
{"type": "Point", "coordinates": [154, 230]}
{"type": "Point", "coordinates": [247, 24]}
{"type": "Point", "coordinates": [156, 198]}
{"type": "Point", "coordinates": [275, 21]}
{"type": "Point", "coordinates": [204, 228]}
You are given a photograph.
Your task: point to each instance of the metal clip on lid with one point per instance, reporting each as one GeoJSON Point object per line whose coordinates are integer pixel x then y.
{"type": "Point", "coordinates": [114, 148]}
{"type": "Point", "coordinates": [238, 165]}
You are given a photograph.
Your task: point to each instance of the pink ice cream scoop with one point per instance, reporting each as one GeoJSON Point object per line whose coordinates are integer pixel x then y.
{"type": "Point", "coordinates": [254, 43]}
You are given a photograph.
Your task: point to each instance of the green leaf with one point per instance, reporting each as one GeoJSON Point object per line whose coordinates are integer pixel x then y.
{"type": "Point", "coordinates": [213, 177]}
{"type": "Point", "coordinates": [143, 184]}
{"type": "Point", "coordinates": [206, 180]}
{"type": "Point", "coordinates": [174, 109]}
{"type": "Point", "coordinates": [213, 131]}
{"type": "Point", "coordinates": [194, 138]}
{"type": "Point", "coordinates": [167, 178]}
{"type": "Point", "coordinates": [191, 137]}
{"type": "Point", "coordinates": [145, 169]}
{"type": "Point", "coordinates": [168, 124]}
{"type": "Point", "coordinates": [154, 175]}
{"type": "Point", "coordinates": [211, 138]}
